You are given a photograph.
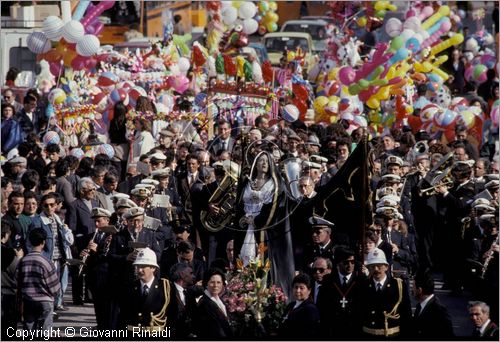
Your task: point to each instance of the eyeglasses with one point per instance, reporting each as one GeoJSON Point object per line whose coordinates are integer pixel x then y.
{"type": "Point", "coordinates": [7, 97]}
{"type": "Point", "coordinates": [90, 190]}
{"type": "Point", "coordinates": [345, 262]}
{"type": "Point", "coordinates": [49, 205]}
{"type": "Point", "coordinates": [375, 230]}
{"type": "Point", "coordinates": [319, 269]}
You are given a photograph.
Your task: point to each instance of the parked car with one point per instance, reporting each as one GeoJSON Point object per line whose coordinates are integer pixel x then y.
{"type": "Point", "coordinates": [316, 28]}
{"type": "Point", "coordinates": [276, 43]}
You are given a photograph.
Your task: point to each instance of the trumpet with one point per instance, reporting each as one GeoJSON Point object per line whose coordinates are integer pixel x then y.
{"type": "Point", "coordinates": [433, 189]}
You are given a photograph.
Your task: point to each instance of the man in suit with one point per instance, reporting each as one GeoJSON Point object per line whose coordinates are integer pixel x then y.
{"type": "Point", "coordinates": [30, 116]}
{"type": "Point", "coordinates": [148, 297]}
{"type": "Point", "coordinates": [338, 295]}
{"type": "Point", "coordinates": [431, 319]}
{"type": "Point", "coordinates": [185, 254]}
{"type": "Point", "coordinates": [484, 328]}
{"type": "Point", "coordinates": [182, 300]}
{"type": "Point", "coordinates": [223, 142]}
{"type": "Point", "coordinates": [80, 221]}
{"type": "Point", "coordinates": [186, 181]}
{"type": "Point", "coordinates": [321, 267]}
{"type": "Point", "coordinates": [107, 190]}
{"type": "Point", "coordinates": [384, 305]}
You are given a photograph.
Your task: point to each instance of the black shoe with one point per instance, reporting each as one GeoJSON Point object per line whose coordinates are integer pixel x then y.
{"type": "Point", "coordinates": [55, 315]}
{"type": "Point", "coordinates": [61, 308]}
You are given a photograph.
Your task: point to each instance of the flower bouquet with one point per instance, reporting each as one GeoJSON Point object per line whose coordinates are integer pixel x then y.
{"type": "Point", "coordinates": [255, 307]}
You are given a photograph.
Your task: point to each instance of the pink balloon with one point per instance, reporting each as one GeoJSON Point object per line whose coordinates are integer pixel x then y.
{"type": "Point", "coordinates": [180, 83]}
{"type": "Point", "coordinates": [347, 75]}
{"type": "Point", "coordinates": [55, 69]}
{"type": "Point", "coordinates": [90, 63]}
{"type": "Point", "coordinates": [95, 11]}
{"type": "Point", "coordinates": [78, 63]}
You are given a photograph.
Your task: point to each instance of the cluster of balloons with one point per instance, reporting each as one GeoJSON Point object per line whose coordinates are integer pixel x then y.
{"type": "Point", "coordinates": [267, 17]}
{"type": "Point", "coordinates": [476, 71]}
{"type": "Point", "coordinates": [375, 14]}
{"type": "Point", "coordinates": [75, 41]}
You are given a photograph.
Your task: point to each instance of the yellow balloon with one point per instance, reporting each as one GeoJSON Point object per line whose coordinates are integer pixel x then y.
{"type": "Point", "coordinates": [319, 103]}
{"type": "Point", "coordinates": [333, 98]}
{"type": "Point", "coordinates": [273, 6]}
{"type": "Point", "coordinates": [361, 21]}
{"type": "Point", "coordinates": [290, 56]}
{"type": "Point", "coordinates": [442, 12]}
{"type": "Point", "coordinates": [373, 103]}
{"type": "Point", "coordinates": [455, 40]}
{"type": "Point", "coordinates": [237, 4]}
{"type": "Point", "coordinates": [332, 75]}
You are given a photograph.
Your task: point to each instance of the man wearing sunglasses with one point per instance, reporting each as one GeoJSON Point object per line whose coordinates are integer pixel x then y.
{"type": "Point", "coordinates": [10, 98]}
{"type": "Point", "coordinates": [337, 296]}
{"type": "Point", "coordinates": [80, 221]}
{"type": "Point", "coordinates": [58, 240]}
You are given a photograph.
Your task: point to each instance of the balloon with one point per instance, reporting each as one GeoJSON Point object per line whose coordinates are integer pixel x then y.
{"type": "Point", "coordinates": [263, 6]}
{"type": "Point", "coordinates": [52, 27]}
{"type": "Point", "coordinates": [272, 27]}
{"type": "Point", "coordinates": [301, 106]}
{"type": "Point", "coordinates": [135, 93]}
{"type": "Point", "coordinates": [80, 9]}
{"type": "Point", "coordinates": [445, 119]}
{"type": "Point", "coordinates": [412, 24]}
{"type": "Point", "coordinates": [88, 45]}
{"type": "Point", "coordinates": [479, 73]}
{"type": "Point", "coordinates": [94, 12]}
{"type": "Point", "coordinates": [55, 68]}
{"type": "Point", "coordinates": [347, 75]}
{"type": "Point", "coordinates": [73, 31]}
{"type": "Point", "coordinates": [68, 57]}
{"type": "Point", "coordinates": [180, 83]}
{"type": "Point", "coordinates": [229, 15]}
{"type": "Point", "coordinates": [361, 21]}
{"type": "Point", "coordinates": [78, 63]}
{"type": "Point", "coordinates": [184, 64]}
{"type": "Point", "coordinates": [229, 66]}
{"type": "Point", "coordinates": [273, 6]}
{"type": "Point", "coordinates": [57, 96]}
{"type": "Point", "coordinates": [262, 30]}
{"type": "Point", "coordinates": [300, 91]}
{"type": "Point", "coordinates": [219, 64]}
{"type": "Point", "coordinates": [51, 137]}
{"type": "Point", "coordinates": [90, 63]}
{"type": "Point", "coordinates": [106, 149]}
{"type": "Point", "coordinates": [38, 42]}
{"type": "Point", "coordinates": [250, 26]}
{"type": "Point", "coordinates": [52, 56]}
{"type": "Point", "coordinates": [118, 95]}
{"type": "Point", "coordinates": [213, 5]}
{"type": "Point", "coordinates": [393, 27]}
{"type": "Point", "coordinates": [319, 104]}
{"type": "Point", "coordinates": [198, 57]}
{"type": "Point", "coordinates": [442, 12]}
{"type": "Point", "coordinates": [467, 118]}
{"type": "Point", "coordinates": [456, 39]}
{"type": "Point", "coordinates": [247, 10]}
{"type": "Point", "coordinates": [290, 113]}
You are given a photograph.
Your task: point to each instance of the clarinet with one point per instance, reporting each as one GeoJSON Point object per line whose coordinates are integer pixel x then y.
{"type": "Point", "coordinates": [489, 257]}
{"type": "Point", "coordinates": [84, 258]}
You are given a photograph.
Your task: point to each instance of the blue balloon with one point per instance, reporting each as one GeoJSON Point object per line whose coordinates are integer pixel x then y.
{"type": "Point", "coordinates": [413, 44]}
{"type": "Point", "coordinates": [400, 55]}
{"type": "Point", "coordinates": [80, 10]}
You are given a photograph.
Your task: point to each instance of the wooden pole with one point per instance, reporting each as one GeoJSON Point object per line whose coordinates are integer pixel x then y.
{"type": "Point", "coordinates": [141, 25]}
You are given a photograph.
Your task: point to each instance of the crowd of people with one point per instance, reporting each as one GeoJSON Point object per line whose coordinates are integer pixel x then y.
{"type": "Point", "coordinates": [150, 231]}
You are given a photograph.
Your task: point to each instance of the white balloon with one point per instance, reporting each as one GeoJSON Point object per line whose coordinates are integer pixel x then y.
{"type": "Point", "coordinates": [393, 27]}
{"type": "Point", "coordinates": [73, 31]}
{"type": "Point", "coordinates": [406, 34]}
{"type": "Point", "coordinates": [229, 15]}
{"type": "Point", "coordinates": [257, 72]}
{"type": "Point", "coordinates": [52, 27]}
{"type": "Point", "coordinates": [250, 26]}
{"type": "Point", "coordinates": [183, 64]}
{"type": "Point", "coordinates": [88, 45]}
{"type": "Point", "coordinates": [247, 10]}
{"type": "Point", "coordinates": [412, 23]}
{"type": "Point", "coordinates": [225, 4]}
{"type": "Point", "coordinates": [38, 42]}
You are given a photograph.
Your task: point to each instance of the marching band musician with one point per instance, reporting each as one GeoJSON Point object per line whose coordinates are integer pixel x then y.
{"type": "Point", "coordinates": [123, 253]}
{"type": "Point", "coordinates": [165, 187]}
{"type": "Point", "coordinates": [121, 207]}
{"type": "Point", "coordinates": [457, 201]}
{"type": "Point", "coordinates": [97, 276]}
{"type": "Point", "coordinates": [148, 296]}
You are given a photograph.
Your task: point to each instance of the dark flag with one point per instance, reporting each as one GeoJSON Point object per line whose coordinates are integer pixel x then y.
{"type": "Point", "coordinates": [345, 199]}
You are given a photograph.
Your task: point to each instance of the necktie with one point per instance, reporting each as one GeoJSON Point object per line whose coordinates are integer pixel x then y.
{"type": "Point", "coordinates": [191, 179]}
{"type": "Point", "coordinates": [345, 281]}
{"type": "Point", "coordinates": [418, 309]}
{"type": "Point", "coordinates": [223, 145]}
{"type": "Point", "coordinates": [379, 287]}
{"type": "Point", "coordinates": [477, 332]}
{"type": "Point", "coordinates": [145, 291]}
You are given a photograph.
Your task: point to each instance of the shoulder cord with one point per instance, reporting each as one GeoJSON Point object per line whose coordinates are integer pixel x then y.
{"type": "Point", "coordinates": [393, 313]}
{"type": "Point", "coordinates": [160, 319]}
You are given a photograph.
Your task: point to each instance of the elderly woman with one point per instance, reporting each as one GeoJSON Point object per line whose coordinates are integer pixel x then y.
{"type": "Point", "coordinates": [210, 315]}
{"type": "Point", "coordinates": [264, 218]}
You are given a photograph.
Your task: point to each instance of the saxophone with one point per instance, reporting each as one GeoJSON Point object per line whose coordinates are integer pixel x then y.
{"type": "Point", "coordinates": [488, 258]}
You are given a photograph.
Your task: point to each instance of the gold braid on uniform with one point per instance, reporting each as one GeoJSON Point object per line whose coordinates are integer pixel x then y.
{"type": "Point", "coordinates": [160, 319]}
{"type": "Point", "coordinates": [393, 313]}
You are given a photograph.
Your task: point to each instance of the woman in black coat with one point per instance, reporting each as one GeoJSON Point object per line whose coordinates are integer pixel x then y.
{"type": "Point", "coordinates": [210, 315]}
{"type": "Point", "coordinates": [301, 316]}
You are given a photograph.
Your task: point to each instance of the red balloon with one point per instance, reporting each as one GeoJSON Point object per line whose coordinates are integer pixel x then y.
{"type": "Point", "coordinates": [213, 5]}
{"type": "Point", "coordinates": [78, 63]}
{"type": "Point", "coordinates": [334, 88]}
{"type": "Point", "coordinates": [300, 91]}
{"type": "Point", "coordinates": [301, 106]}
{"type": "Point", "coordinates": [229, 65]}
{"type": "Point", "coordinates": [415, 123]}
{"type": "Point", "coordinates": [55, 69]}
{"type": "Point", "coordinates": [267, 71]}
{"type": "Point", "coordinates": [90, 63]}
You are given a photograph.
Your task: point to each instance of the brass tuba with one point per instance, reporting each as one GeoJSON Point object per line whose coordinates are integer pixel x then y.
{"type": "Point", "coordinates": [224, 197]}
{"type": "Point", "coordinates": [292, 168]}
